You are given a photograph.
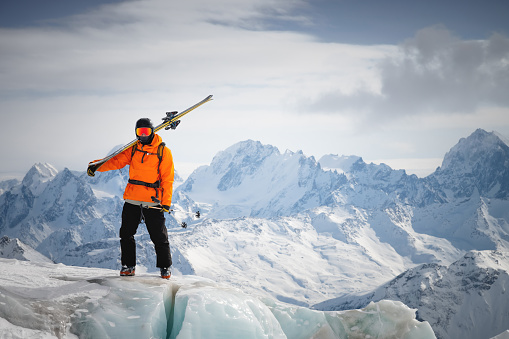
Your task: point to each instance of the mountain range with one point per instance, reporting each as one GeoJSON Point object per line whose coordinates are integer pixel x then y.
{"type": "Point", "coordinates": [333, 233]}
{"type": "Point", "coordinates": [462, 300]}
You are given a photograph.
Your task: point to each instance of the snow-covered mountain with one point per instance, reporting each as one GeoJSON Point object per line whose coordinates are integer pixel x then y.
{"type": "Point", "coordinates": [282, 225]}
{"type": "Point", "coordinates": [251, 179]}
{"type": "Point", "coordinates": [463, 300]}
{"type": "Point", "coordinates": [474, 182]}
{"type": "Point", "coordinates": [15, 249]}
{"type": "Point", "coordinates": [476, 165]}
{"type": "Point", "coordinates": [56, 212]}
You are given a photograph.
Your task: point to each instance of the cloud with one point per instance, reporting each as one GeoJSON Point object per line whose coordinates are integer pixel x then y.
{"type": "Point", "coordinates": [435, 72]}
{"type": "Point", "coordinates": [160, 45]}
{"type": "Point", "coordinates": [89, 77]}
{"type": "Point", "coordinates": [92, 75]}
{"type": "Point", "coordinates": [439, 72]}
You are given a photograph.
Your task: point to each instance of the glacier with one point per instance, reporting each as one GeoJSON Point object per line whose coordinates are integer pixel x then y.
{"type": "Point", "coordinates": [44, 300]}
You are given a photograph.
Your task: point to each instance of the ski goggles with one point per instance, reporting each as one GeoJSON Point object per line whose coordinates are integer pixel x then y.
{"type": "Point", "coordinates": [143, 131]}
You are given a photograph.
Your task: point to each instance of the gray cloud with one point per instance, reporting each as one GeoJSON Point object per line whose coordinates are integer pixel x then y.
{"type": "Point", "coordinates": [441, 73]}
{"type": "Point", "coordinates": [434, 72]}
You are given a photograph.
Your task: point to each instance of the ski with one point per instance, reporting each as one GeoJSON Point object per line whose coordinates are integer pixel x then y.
{"type": "Point", "coordinates": [170, 121]}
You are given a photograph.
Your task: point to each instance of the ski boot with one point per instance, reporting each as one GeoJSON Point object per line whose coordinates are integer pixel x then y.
{"type": "Point", "coordinates": [127, 271]}
{"type": "Point", "coordinates": [165, 273]}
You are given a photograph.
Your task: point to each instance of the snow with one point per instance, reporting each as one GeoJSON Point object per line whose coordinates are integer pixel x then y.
{"type": "Point", "coordinates": [7, 185]}
{"type": "Point", "coordinates": [42, 300]}
{"type": "Point", "coordinates": [503, 335]}
{"type": "Point", "coordinates": [295, 259]}
{"type": "Point", "coordinates": [340, 163]}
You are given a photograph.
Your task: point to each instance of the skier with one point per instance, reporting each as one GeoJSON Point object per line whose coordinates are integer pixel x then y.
{"type": "Point", "coordinates": [147, 195]}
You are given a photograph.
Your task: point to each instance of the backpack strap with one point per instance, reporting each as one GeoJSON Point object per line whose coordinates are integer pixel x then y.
{"type": "Point", "coordinates": [133, 150]}
{"type": "Point", "coordinates": [160, 150]}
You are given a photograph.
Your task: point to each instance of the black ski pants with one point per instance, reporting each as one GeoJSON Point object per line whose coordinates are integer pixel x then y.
{"type": "Point", "coordinates": [132, 215]}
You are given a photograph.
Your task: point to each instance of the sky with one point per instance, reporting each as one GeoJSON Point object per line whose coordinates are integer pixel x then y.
{"type": "Point", "coordinates": [397, 82]}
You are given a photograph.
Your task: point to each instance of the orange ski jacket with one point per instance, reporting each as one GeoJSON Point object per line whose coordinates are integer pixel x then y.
{"type": "Point", "coordinates": [145, 167]}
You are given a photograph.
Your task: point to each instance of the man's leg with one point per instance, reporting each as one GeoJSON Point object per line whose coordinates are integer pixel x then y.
{"type": "Point", "coordinates": [131, 215]}
{"type": "Point", "coordinates": [154, 219]}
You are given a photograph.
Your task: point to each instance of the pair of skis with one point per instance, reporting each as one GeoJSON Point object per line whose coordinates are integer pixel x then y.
{"type": "Point", "coordinates": [170, 121]}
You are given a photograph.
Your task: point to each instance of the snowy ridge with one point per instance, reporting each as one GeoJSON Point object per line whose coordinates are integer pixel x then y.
{"type": "Point", "coordinates": [15, 249]}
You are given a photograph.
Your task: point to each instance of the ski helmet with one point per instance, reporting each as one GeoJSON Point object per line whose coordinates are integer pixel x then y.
{"type": "Point", "coordinates": [144, 131]}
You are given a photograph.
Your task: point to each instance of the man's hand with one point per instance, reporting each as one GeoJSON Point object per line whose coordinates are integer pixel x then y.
{"type": "Point", "coordinates": [91, 170]}
{"type": "Point", "coordinates": [165, 208]}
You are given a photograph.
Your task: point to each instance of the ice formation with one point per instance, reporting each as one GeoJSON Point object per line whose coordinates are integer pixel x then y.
{"type": "Point", "coordinates": [42, 300]}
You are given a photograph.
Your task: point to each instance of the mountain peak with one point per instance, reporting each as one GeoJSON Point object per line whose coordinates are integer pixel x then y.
{"type": "Point", "coordinates": [474, 150]}
{"type": "Point", "coordinates": [39, 174]}
{"type": "Point", "coordinates": [480, 161]}
{"type": "Point", "coordinates": [15, 249]}
{"type": "Point", "coordinates": [244, 155]}
{"type": "Point", "coordinates": [250, 148]}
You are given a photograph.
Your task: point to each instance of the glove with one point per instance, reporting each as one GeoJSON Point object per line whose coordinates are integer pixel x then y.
{"type": "Point", "coordinates": [165, 208]}
{"type": "Point", "coordinates": [91, 170]}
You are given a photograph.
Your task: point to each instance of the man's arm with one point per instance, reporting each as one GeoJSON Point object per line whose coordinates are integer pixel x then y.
{"type": "Point", "coordinates": [117, 162]}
